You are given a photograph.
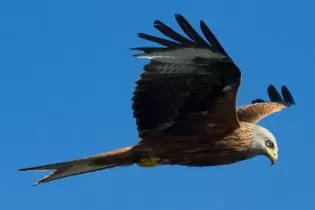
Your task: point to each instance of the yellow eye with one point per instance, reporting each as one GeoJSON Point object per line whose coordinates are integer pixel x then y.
{"type": "Point", "coordinates": [270, 144]}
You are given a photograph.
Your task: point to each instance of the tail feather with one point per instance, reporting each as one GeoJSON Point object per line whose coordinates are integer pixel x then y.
{"type": "Point", "coordinates": [120, 157]}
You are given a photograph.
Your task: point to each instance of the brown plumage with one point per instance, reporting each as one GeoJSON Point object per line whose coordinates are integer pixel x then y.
{"type": "Point", "coordinates": [253, 113]}
{"type": "Point", "coordinates": [185, 108]}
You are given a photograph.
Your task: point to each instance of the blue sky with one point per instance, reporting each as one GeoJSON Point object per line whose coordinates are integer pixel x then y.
{"type": "Point", "coordinates": [66, 82]}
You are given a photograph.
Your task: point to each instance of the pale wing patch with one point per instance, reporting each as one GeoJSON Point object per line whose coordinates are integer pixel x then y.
{"type": "Point", "coordinates": [182, 56]}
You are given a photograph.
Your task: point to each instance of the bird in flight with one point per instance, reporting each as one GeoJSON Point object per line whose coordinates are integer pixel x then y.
{"type": "Point", "coordinates": [184, 104]}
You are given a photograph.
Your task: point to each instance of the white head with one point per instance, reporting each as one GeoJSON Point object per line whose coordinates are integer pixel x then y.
{"type": "Point", "coordinates": [264, 143]}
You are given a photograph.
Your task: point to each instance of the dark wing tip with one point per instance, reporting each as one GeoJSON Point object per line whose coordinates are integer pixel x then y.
{"type": "Point", "coordinates": [191, 32]}
{"type": "Point", "coordinates": [157, 22]}
{"type": "Point", "coordinates": [194, 39]}
{"type": "Point", "coordinates": [258, 101]}
{"type": "Point", "coordinates": [274, 96]}
{"type": "Point", "coordinates": [178, 15]}
{"type": "Point", "coordinates": [288, 98]}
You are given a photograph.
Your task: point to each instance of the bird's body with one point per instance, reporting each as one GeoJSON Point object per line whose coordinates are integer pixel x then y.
{"type": "Point", "coordinates": [185, 108]}
{"type": "Point", "coordinates": [203, 149]}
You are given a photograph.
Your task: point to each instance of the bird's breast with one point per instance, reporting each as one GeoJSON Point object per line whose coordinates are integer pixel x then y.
{"type": "Point", "coordinates": [201, 151]}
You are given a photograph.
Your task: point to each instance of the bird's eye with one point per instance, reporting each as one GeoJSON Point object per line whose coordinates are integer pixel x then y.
{"type": "Point", "coordinates": [269, 144]}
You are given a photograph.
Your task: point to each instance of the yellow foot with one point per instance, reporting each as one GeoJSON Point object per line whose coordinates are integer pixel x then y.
{"type": "Point", "coordinates": [149, 162]}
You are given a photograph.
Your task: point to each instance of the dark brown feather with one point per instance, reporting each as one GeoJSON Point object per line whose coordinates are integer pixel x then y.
{"type": "Point", "coordinates": [171, 91]}
{"type": "Point", "coordinates": [158, 40]}
{"type": "Point", "coordinates": [190, 31]}
{"type": "Point", "coordinates": [167, 31]}
{"type": "Point", "coordinates": [211, 38]}
{"type": "Point", "coordinates": [208, 148]}
{"type": "Point", "coordinates": [288, 98]}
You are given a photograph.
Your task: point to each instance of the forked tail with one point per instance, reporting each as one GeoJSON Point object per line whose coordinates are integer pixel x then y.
{"type": "Point", "coordinates": [121, 157]}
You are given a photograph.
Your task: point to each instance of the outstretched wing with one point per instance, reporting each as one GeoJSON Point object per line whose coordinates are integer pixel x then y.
{"type": "Point", "coordinates": [187, 82]}
{"type": "Point", "coordinates": [259, 108]}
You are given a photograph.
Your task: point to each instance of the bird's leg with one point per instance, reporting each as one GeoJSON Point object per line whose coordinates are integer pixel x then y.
{"type": "Point", "coordinates": [146, 155]}
{"type": "Point", "coordinates": [149, 162]}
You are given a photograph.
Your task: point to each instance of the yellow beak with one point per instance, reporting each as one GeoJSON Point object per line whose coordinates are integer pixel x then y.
{"type": "Point", "coordinates": [272, 156]}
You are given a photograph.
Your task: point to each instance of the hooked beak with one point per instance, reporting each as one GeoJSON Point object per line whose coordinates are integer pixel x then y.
{"type": "Point", "coordinates": [272, 156]}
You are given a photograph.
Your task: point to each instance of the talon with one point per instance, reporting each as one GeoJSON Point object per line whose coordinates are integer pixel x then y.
{"type": "Point", "coordinates": [149, 162]}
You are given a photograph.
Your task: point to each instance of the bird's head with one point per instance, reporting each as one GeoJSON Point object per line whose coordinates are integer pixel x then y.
{"type": "Point", "coordinates": [265, 143]}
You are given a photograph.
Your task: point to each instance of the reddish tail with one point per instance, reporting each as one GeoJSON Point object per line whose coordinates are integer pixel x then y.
{"type": "Point", "coordinates": [120, 157]}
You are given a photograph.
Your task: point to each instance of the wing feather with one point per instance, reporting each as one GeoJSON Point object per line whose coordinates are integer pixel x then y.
{"type": "Point", "coordinates": [158, 40]}
{"type": "Point", "coordinates": [274, 94]}
{"type": "Point", "coordinates": [190, 31]}
{"type": "Point", "coordinates": [167, 31]}
{"type": "Point", "coordinates": [260, 109]}
{"type": "Point", "coordinates": [288, 98]}
{"type": "Point", "coordinates": [212, 39]}
{"type": "Point", "coordinates": [184, 83]}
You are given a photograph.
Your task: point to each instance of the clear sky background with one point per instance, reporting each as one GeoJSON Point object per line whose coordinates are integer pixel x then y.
{"type": "Point", "coordinates": [66, 82]}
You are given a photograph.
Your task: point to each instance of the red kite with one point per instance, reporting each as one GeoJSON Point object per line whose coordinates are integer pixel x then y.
{"type": "Point", "coordinates": [185, 108]}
